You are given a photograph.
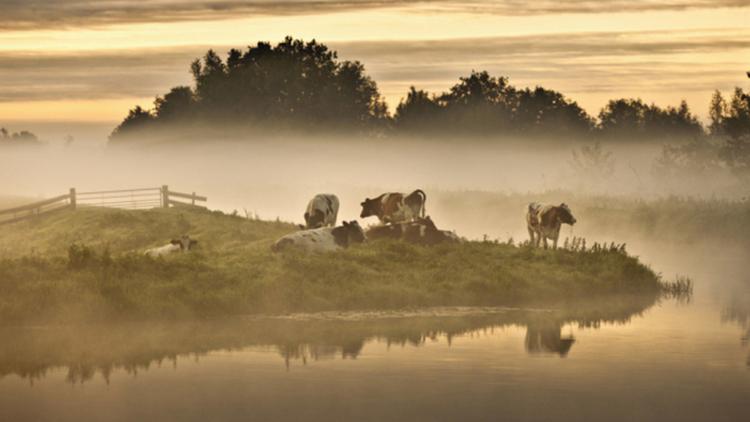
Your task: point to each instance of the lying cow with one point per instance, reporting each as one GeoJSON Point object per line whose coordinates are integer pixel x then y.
{"type": "Point", "coordinates": [183, 244]}
{"type": "Point", "coordinates": [421, 231]}
{"type": "Point", "coordinates": [322, 211]}
{"type": "Point", "coordinates": [395, 207]}
{"type": "Point", "coordinates": [323, 239]}
{"type": "Point", "coordinates": [543, 222]}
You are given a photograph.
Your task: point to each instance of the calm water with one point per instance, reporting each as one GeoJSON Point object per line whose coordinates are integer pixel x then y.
{"type": "Point", "coordinates": [630, 359]}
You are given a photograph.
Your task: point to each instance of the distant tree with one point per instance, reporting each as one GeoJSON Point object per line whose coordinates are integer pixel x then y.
{"type": "Point", "coordinates": [22, 138]}
{"type": "Point", "coordinates": [716, 112]}
{"type": "Point", "coordinates": [178, 104]}
{"type": "Point", "coordinates": [736, 121]}
{"type": "Point", "coordinates": [731, 123]}
{"type": "Point", "coordinates": [479, 104]}
{"type": "Point", "coordinates": [632, 119]}
{"type": "Point", "coordinates": [593, 163]}
{"type": "Point", "coordinates": [419, 112]}
{"type": "Point", "coordinates": [294, 84]}
{"type": "Point", "coordinates": [736, 155]}
{"type": "Point", "coordinates": [695, 158]}
{"type": "Point", "coordinates": [137, 122]}
{"type": "Point", "coordinates": [623, 118]}
{"type": "Point", "coordinates": [548, 113]}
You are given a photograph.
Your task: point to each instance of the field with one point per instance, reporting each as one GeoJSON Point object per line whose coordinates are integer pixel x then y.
{"type": "Point", "coordinates": [89, 265]}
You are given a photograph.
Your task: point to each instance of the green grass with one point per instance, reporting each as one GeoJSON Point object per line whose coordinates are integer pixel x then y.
{"type": "Point", "coordinates": [89, 264]}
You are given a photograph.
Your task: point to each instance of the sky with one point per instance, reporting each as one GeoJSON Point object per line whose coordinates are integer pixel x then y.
{"type": "Point", "coordinates": [81, 64]}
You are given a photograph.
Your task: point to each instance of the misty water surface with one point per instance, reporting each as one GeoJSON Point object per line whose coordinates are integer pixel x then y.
{"type": "Point", "coordinates": [635, 358]}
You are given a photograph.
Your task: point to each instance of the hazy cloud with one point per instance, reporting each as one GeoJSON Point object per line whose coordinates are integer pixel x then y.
{"type": "Point", "coordinates": [599, 62]}
{"type": "Point", "coordinates": [35, 14]}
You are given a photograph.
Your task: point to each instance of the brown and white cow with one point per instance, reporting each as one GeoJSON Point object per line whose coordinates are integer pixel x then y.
{"type": "Point", "coordinates": [322, 211]}
{"type": "Point", "coordinates": [421, 231]}
{"type": "Point", "coordinates": [324, 239]}
{"type": "Point", "coordinates": [395, 207]}
{"type": "Point", "coordinates": [543, 222]}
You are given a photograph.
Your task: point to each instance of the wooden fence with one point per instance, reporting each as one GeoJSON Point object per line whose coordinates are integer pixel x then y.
{"type": "Point", "coordinates": [143, 198]}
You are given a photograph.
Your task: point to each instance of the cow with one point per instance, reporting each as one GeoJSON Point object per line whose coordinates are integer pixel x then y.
{"type": "Point", "coordinates": [183, 244]}
{"type": "Point", "coordinates": [395, 207]}
{"type": "Point", "coordinates": [322, 211]}
{"type": "Point", "coordinates": [543, 222]}
{"type": "Point", "coordinates": [323, 239]}
{"type": "Point", "coordinates": [421, 231]}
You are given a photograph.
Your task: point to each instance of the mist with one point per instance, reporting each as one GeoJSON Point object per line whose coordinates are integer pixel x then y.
{"type": "Point", "coordinates": [274, 178]}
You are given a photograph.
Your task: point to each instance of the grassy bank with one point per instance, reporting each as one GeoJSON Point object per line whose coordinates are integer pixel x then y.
{"type": "Point", "coordinates": [105, 275]}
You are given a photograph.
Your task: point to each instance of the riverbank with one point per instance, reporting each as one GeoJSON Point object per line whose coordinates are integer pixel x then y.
{"type": "Point", "coordinates": [89, 265]}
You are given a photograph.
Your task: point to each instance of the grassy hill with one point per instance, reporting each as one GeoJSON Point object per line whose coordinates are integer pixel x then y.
{"type": "Point", "coordinates": [89, 264]}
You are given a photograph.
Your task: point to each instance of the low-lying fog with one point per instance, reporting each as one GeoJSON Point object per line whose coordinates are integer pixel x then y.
{"type": "Point", "coordinates": [276, 178]}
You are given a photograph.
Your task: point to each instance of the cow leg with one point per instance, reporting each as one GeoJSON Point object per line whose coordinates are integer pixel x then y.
{"type": "Point", "coordinates": [531, 237]}
{"type": "Point", "coordinates": [544, 238]}
{"type": "Point", "coordinates": [554, 238]}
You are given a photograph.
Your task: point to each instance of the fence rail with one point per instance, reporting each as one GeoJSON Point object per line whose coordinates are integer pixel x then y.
{"type": "Point", "coordinates": [142, 198]}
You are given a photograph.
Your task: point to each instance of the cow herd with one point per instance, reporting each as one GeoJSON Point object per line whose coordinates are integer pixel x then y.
{"type": "Point", "coordinates": [401, 216]}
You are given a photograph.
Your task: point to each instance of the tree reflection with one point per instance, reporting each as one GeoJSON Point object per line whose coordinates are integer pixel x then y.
{"type": "Point", "coordinates": [132, 348]}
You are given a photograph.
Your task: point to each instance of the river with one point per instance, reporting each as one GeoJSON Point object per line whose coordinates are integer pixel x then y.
{"type": "Point", "coordinates": [614, 359]}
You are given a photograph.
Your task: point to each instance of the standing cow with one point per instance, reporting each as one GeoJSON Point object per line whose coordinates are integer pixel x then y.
{"type": "Point", "coordinates": [543, 222]}
{"type": "Point", "coordinates": [395, 207]}
{"type": "Point", "coordinates": [322, 211]}
{"type": "Point", "coordinates": [324, 239]}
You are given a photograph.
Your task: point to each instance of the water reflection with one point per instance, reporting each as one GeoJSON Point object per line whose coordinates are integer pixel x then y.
{"type": "Point", "coordinates": [31, 353]}
{"type": "Point", "coordinates": [737, 311]}
{"type": "Point", "coordinates": [548, 339]}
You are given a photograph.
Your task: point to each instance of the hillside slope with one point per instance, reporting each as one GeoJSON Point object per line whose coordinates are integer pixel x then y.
{"type": "Point", "coordinates": [89, 264]}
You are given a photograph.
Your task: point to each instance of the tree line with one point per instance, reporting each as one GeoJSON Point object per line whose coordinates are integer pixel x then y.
{"type": "Point", "coordinates": [304, 86]}
{"type": "Point", "coordinates": [22, 138]}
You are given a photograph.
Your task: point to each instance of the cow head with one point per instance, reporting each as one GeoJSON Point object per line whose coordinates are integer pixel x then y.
{"type": "Point", "coordinates": [565, 215]}
{"type": "Point", "coordinates": [369, 207]}
{"type": "Point", "coordinates": [185, 243]}
{"type": "Point", "coordinates": [354, 232]}
{"type": "Point", "coordinates": [427, 222]}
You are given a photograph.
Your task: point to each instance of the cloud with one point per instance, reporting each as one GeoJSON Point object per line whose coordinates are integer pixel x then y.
{"type": "Point", "coordinates": [118, 74]}
{"type": "Point", "coordinates": [614, 63]}
{"type": "Point", "coordinates": [36, 14]}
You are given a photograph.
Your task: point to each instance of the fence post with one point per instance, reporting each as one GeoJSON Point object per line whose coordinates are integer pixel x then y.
{"type": "Point", "coordinates": [73, 202]}
{"type": "Point", "coordinates": [165, 196]}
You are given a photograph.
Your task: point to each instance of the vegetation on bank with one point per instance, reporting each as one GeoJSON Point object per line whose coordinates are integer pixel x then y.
{"type": "Point", "coordinates": [89, 264]}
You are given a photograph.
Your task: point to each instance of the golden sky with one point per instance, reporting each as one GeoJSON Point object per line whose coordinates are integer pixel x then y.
{"type": "Point", "coordinates": [90, 61]}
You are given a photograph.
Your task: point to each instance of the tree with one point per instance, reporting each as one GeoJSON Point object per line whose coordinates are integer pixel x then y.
{"type": "Point", "coordinates": [632, 119]}
{"type": "Point", "coordinates": [736, 121]}
{"type": "Point", "coordinates": [177, 104]}
{"type": "Point", "coordinates": [22, 138]}
{"type": "Point", "coordinates": [137, 122]}
{"type": "Point", "coordinates": [716, 112]}
{"type": "Point", "coordinates": [593, 163]}
{"type": "Point", "coordinates": [419, 112]}
{"type": "Point", "coordinates": [294, 84]}
{"type": "Point", "coordinates": [545, 112]}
